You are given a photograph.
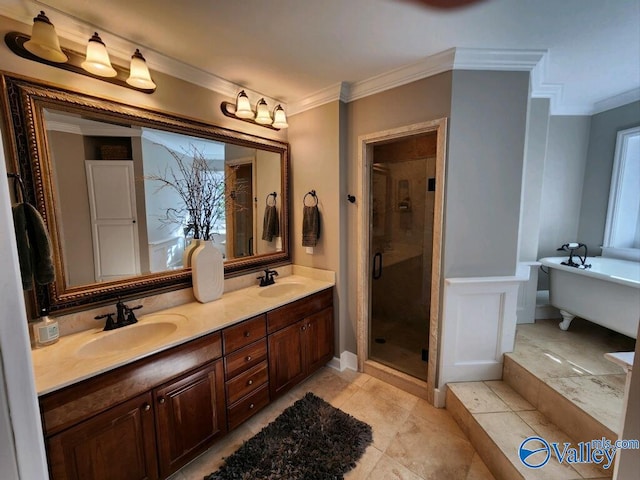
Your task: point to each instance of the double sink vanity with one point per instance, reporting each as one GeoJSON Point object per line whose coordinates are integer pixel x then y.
{"type": "Point", "coordinates": [141, 401]}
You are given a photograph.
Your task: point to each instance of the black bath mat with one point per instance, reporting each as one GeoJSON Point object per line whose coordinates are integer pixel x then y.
{"type": "Point", "coordinates": [310, 440]}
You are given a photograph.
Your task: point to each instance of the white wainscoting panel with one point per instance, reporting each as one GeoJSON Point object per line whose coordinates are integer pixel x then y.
{"type": "Point", "coordinates": [478, 326]}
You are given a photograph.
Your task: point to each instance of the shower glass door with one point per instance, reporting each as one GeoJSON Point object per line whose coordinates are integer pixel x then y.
{"type": "Point", "coordinates": [401, 244]}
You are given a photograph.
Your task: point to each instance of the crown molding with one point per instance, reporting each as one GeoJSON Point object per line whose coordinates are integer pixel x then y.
{"type": "Point", "coordinates": [332, 93]}
{"type": "Point", "coordinates": [616, 101]}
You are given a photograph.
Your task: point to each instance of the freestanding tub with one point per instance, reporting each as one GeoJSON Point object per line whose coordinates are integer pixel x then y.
{"type": "Point", "coordinates": [608, 293]}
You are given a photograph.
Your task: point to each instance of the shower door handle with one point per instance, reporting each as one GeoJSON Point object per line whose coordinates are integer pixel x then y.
{"type": "Point", "coordinates": [377, 266]}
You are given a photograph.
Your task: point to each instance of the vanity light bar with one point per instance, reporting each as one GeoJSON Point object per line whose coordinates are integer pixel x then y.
{"type": "Point", "coordinates": [241, 110]}
{"type": "Point", "coordinates": [44, 47]}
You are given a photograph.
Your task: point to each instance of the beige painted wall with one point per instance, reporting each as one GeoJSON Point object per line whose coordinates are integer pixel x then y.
{"type": "Point", "coordinates": [268, 179]}
{"type": "Point", "coordinates": [316, 165]}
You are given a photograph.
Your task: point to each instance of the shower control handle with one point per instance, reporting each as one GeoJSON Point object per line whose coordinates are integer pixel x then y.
{"type": "Point", "coordinates": [377, 266]}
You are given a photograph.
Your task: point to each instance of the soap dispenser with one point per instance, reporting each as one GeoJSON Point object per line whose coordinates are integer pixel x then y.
{"type": "Point", "coordinates": [45, 330]}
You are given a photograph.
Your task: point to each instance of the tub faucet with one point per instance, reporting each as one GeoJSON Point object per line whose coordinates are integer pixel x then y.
{"type": "Point", "coordinates": [571, 248]}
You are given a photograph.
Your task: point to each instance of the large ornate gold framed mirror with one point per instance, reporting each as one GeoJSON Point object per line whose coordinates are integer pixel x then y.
{"type": "Point", "coordinates": [88, 166]}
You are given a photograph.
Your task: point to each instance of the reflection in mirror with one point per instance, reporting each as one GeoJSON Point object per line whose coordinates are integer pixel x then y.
{"type": "Point", "coordinates": [116, 219]}
{"type": "Point", "coordinates": [87, 164]}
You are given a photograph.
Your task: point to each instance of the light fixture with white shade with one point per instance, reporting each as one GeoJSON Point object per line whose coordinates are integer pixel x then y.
{"type": "Point", "coordinates": [97, 60]}
{"type": "Point", "coordinates": [241, 110]}
{"type": "Point", "coordinates": [44, 41]}
{"type": "Point", "coordinates": [279, 118]}
{"type": "Point", "coordinates": [243, 107]}
{"type": "Point", "coordinates": [44, 47]}
{"type": "Point", "coordinates": [139, 72]}
{"type": "Point", "coordinates": [263, 117]}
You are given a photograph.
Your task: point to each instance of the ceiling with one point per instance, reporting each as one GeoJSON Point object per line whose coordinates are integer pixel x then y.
{"type": "Point", "coordinates": [587, 51]}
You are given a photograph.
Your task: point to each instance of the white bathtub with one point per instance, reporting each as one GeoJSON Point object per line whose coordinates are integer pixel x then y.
{"type": "Point", "coordinates": [608, 293]}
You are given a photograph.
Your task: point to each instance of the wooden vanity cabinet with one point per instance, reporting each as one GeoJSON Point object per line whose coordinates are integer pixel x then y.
{"type": "Point", "coordinates": [246, 369]}
{"type": "Point", "coordinates": [118, 443]}
{"type": "Point", "coordinates": [190, 416]}
{"type": "Point", "coordinates": [141, 421]}
{"type": "Point", "coordinates": [300, 340]}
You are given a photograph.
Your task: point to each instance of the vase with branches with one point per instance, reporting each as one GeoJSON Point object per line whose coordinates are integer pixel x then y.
{"type": "Point", "coordinates": [202, 191]}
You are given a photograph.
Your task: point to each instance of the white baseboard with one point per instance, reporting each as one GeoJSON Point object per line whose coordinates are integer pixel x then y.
{"type": "Point", "coordinates": [347, 360]}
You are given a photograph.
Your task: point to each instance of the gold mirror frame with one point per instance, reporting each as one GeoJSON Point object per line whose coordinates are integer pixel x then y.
{"type": "Point", "coordinates": [24, 102]}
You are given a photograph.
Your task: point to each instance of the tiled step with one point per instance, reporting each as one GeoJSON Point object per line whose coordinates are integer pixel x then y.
{"type": "Point", "coordinates": [586, 406]}
{"type": "Point", "coordinates": [496, 419]}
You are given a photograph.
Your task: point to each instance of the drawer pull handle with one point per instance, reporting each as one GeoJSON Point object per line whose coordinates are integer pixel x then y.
{"type": "Point", "coordinates": [247, 334]}
{"type": "Point", "coordinates": [250, 382]}
{"type": "Point", "coordinates": [161, 400]}
{"type": "Point", "coordinates": [146, 407]}
{"type": "Point", "coordinates": [248, 358]}
{"type": "Point", "coordinates": [251, 406]}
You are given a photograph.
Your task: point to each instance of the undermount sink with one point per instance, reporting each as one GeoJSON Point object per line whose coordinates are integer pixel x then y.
{"type": "Point", "coordinates": [280, 289]}
{"type": "Point", "coordinates": [155, 328]}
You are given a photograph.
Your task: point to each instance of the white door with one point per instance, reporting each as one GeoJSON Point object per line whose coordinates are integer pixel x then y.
{"type": "Point", "coordinates": [113, 218]}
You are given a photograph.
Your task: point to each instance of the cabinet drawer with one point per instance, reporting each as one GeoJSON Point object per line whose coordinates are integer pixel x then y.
{"type": "Point", "coordinates": [291, 313]}
{"type": "Point", "coordinates": [245, 358]}
{"type": "Point", "coordinates": [244, 333]}
{"type": "Point", "coordinates": [248, 406]}
{"type": "Point", "coordinates": [247, 382]}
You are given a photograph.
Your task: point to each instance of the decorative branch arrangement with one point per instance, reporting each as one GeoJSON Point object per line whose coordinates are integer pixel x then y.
{"type": "Point", "coordinates": [202, 189]}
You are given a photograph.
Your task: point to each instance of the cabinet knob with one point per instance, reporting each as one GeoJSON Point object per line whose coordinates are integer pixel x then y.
{"type": "Point", "coordinates": [161, 400]}
{"type": "Point", "coordinates": [251, 407]}
{"type": "Point", "coordinates": [248, 358]}
{"type": "Point", "coordinates": [303, 328]}
{"type": "Point", "coordinates": [250, 382]}
{"type": "Point", "coordinates": [308, 325]}
{"type": "Point", "coordinates": [146, 407]}
{"type": "Point", "coordinates": [247, 334]}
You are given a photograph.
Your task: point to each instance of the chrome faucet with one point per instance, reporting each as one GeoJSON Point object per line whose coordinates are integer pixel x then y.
{"type": "Point", "coordinates": [124, 316]}
{"type": "Point", "coordinates": [268, 277]}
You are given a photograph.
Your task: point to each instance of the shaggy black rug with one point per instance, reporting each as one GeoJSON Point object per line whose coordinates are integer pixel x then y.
{"type": "Point", "coordinates": [310, 440]}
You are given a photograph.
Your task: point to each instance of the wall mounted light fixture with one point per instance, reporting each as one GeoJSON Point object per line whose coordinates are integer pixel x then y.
{"type": "Point", "coordinates": [242, 110]}
{"type": "Point", "coordinates": [44, 47]}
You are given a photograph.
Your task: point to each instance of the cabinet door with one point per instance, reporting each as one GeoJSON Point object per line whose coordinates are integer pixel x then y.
{"type": "Point", "coordinates": [190, 415]}
{"type": "Point", "coordinates": [118, 443]}
{"type": "Point", "coordinates": [286, 358]}
{"type": "Point", "coordinates": [318, 339]}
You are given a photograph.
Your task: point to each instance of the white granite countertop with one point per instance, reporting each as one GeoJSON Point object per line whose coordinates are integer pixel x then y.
{"type": "Point", "coordinates": [73, 358]}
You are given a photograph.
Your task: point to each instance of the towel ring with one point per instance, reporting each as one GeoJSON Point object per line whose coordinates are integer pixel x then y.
{"type": "Point", "coordinates": [18, 182]}
{"type": "Point", "coordinates": [274, 195]}
{"type": "Point", "coordinates": [315, 197]}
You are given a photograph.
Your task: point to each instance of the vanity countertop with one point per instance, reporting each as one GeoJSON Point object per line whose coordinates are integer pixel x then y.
{"type": "Point", "coordinates": [72, 359]}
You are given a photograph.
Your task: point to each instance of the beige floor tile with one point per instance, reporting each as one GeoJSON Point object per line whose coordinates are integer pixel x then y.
{"type": "Point", "coordinates": [458, 411]}
{"type": "Point", "coordinates": [380, 389]}
{"type": "Point", "coordinates": [521, 380]}
{"type": "Point", "coordinates": [430, 451]}
{"type": "Point", "coordinates": [440, 419]}
{"type": "Point", "coordinates": [600, 396]}
{"type": "Point", "coordinates": [486, 448]}
{"type": "Point", "coordinates": [508, 431]}
{"type": "Point", "coordinates": [544, 363]}
{"type": "Point", "coordinates": [563, 413]}
{"type": "Point", "coordinates": [329, 386]}
{"type": "Point", "coordinates": [477, 397]}
{"type": "Point", "coordinates": [478, 470]}
{"type": "Point", "coordinates": [384, 416]}
{"type": "Point", "coordinates": [389, 469]}
{"type": "Point", "coordinates": [551, 433]}
{"type": "Point", "coordinates": [365, 465]}
{"type": "Point", "coordinates": [509, 396]}
{"type": "Point", "coordinates": [213, 458]}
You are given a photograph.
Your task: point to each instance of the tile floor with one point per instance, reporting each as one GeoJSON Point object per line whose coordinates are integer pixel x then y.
{"type": "Point", "coordinates": [411, 439]}
{"type": "Point", "coordinates": [572, 363]}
